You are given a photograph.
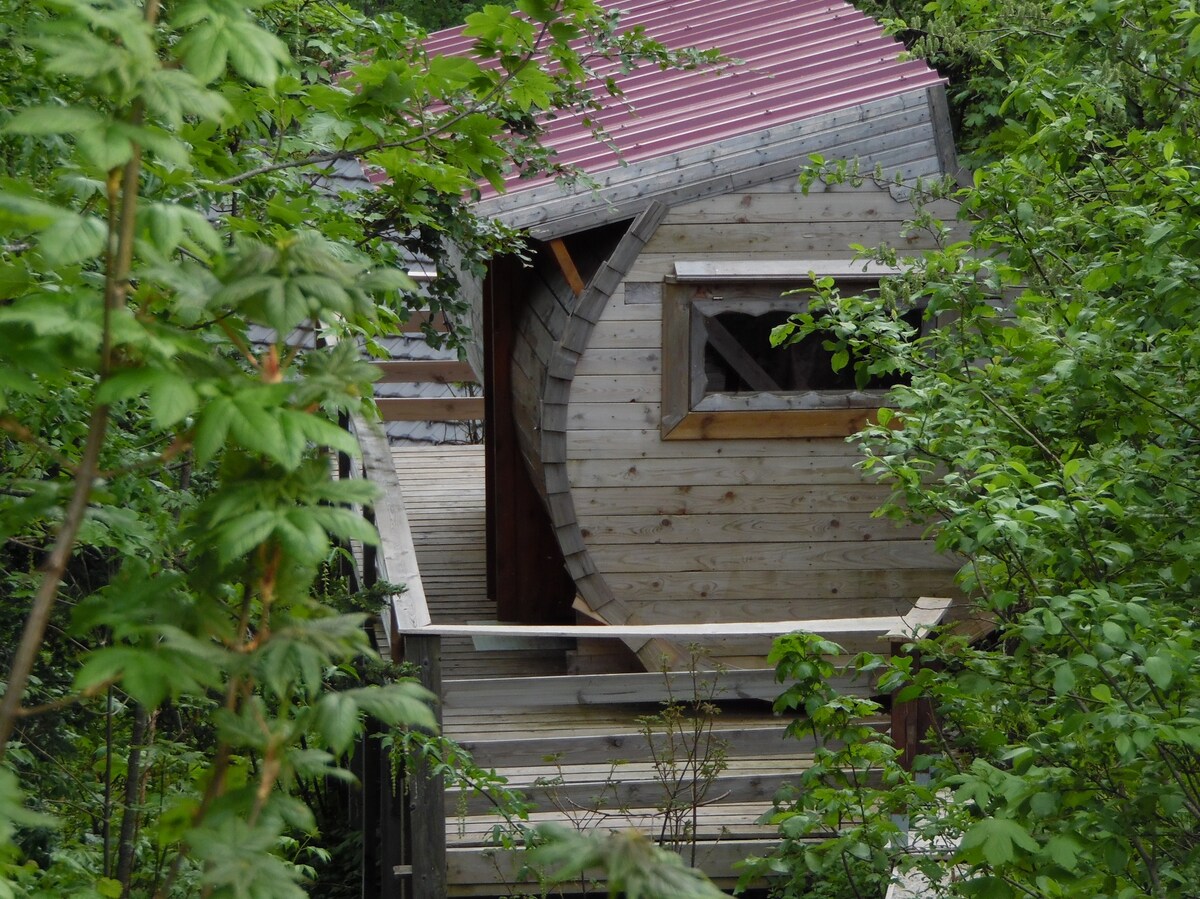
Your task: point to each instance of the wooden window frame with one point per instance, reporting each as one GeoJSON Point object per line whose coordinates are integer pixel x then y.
{"type": "Point", "coordinates": [697, 289]}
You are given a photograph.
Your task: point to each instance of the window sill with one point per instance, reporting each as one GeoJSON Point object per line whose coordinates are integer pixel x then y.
{"type": "Point", "coordinates": [761, 424]}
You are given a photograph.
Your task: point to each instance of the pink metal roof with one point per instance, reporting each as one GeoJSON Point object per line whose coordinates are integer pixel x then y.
{"type": "Point", "coordinates": [797, 59]}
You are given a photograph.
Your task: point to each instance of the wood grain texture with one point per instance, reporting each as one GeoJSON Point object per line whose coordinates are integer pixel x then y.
{"type": "Point", "coordinates": [396, 558]}
{"type": "Point", "coordinates": [743, 594]}
{"type": "Point", "coordinates": [437, 371]}
{"type": "Point", "coordinates": [795, 556]}
{"type": "Point", "coordinates": [753, 527]}
{"type": "Point", "coordinates": [793, 472]}
{"type": "Point", "coordinates": [450, 408]}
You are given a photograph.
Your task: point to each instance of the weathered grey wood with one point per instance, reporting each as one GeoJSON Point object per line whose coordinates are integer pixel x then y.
{"type": "Point", "coordinates": [765, 741]}
{"type": "Point", "coordinates": [619, 361]}
{"type": "Point", "coordinates": [608, 689]}
{"type": "Point", "coordinates": [783, 201]}
{"type": "Point", "coordinates": [694, 182]}
{"type": "Point", "coordinates": [426, 790]}
{"type": "Point", "coordinates": [795, 400]}
{"type": "Point", "coordinates": [737, 162]}
{"type": "Point", "coordinates": [718, 499]}
{"type": "Point", "coordinates": [396, 558]}
{"type": "Point", "coordinates": [927, 613]}
{"type": "Point", "coordinates": [746, 594]}
{"type": "Point", "coordinates": [795, 557]}
{"type": "Point", "coordinates": [785, 240]}
{"type": "Point", "coordinates": [475, 871]}
{"type": "Point", "coordinates": [789, 271]}
{"type": "Point", "coordinates": [943, 134]}
{"type": "Point", "coordinates": [745, 527]}
{"type": "Point", "coordinates": [731, 468]}
{"type": "Point", "coordinates": [611, 389]}
{"type": "Point", "coordinates": [644, 444]}
{"type": "Point", "coordinates": [621, 793]}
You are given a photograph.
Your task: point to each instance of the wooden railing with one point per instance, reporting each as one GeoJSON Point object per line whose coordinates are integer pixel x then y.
{"type": "Point", "coordinates": [413, 638]}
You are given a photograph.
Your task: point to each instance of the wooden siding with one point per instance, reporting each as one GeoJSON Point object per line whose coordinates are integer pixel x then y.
{"type": "Point", "coordinates": [720, 530]}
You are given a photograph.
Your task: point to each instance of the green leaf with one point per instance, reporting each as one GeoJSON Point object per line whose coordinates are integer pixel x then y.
{"type": "Point", "coordinates": [257, 54]}
{"type": "Point", "coordinates": [1101, 692]}
{"type": "Point", "coordinates": [171, 399]}
{"type": "Point", "coordinates": [107, 145]}
{"type": "Point", "coordinates": [405, 702]}
{"type": "Point", "coordinates": [1063, 850]}
{"type": "Point", "coordinates": [53, 120]}
{"type": "Point", "coordinates": [212, 427]}
{"type": "Point", "coordinates": [996, 838]}
{"type": "Point", "coordinates": [71, 239]}
{"type": "Point", "coordinates": [205, 50]}
{"type": "Point", "coordinates": [242, 535]}
{"type": "Point", "coordinates": [338, 720]}
{"type": "Point", "coordinates": [1160, 671]}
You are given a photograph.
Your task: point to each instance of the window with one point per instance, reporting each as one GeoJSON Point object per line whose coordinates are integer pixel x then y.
{"type": "Point", "coordinates": [721, 376]}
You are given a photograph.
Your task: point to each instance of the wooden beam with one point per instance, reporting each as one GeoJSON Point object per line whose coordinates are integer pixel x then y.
{"type": "Point", "coordinates": [769, 741]}
{"type": "Point", "coordinates": [563, 257]}
{"type": "Point", "coordinates": [416, 322]}
{"type": "Point", "coordinates": [736, 355]}
{"type": "Point", "coordinates": [426, 789]}
{"type": "Point", "coordinates": [785, 271]}
{"type": "Point", "coordinates": [450, 408]}
{"type": "Point", "coordinates": [622, 792]}
{"type": "Point", "coordinates": [438, 371]}
{"type": "Point", "coordinates": [926, 613]}
{"type": "Point", "coordinates": [615, 689]}
{"type": "Point", "coordinates": [396, 558]}
{"type": "Point", "coordinates": [771, 424]}
{"type": "Point", "coordinates": [486, 871]}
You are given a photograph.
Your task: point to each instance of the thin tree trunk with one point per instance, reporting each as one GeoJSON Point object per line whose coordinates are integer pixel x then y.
{"type": "Point", "coordinates": [133, 777]}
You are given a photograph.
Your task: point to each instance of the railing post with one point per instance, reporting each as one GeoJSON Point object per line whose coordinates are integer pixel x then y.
{"type": "Point", "coordinates": [911, 720]}
{"type": "Point", "coordinates": [426, 791]}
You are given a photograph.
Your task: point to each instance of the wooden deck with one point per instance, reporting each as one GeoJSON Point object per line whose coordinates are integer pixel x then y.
{"type": "Point", "coordinates": [581, 765]}
{"type": "Point", "coordinates": [585, 749]}
{"type": "Point", "coordinates": [443, 495]}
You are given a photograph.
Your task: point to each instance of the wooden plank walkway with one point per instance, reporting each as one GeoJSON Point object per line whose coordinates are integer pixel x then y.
{"type": "Point", "coordinates": [580, 765]}
{"type": "Point", "coordinates": [444, 497]}
{"type": "Point", "coordinates": [587, 750]}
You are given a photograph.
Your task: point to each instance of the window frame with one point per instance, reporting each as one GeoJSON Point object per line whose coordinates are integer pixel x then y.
{"type": "Point", "coordinates": [689, 413]}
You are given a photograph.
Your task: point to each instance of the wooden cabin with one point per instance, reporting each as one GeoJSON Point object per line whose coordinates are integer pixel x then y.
{"type": "Point", "coordinates": [654, 474]}
{"type": "Point", "coordinates": [643, 436]}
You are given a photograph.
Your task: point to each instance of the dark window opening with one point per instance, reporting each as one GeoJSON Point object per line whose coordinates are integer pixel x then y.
{"type": "Point", "coordinates": [739, 358]}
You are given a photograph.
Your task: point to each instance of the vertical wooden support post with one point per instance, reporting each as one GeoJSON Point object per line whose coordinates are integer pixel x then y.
{"type": "Point", "coordinates": [426, 792]}
{"type": "Point", "coordinates": [911, 720]}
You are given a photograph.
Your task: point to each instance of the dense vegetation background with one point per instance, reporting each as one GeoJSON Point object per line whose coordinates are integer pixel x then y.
{"type": "Point", "coordinates": [185, 677]}
{"type": "Point", "coordinates": [184, 681]}
{"type": "Point", "coordinates": [1050, 434]}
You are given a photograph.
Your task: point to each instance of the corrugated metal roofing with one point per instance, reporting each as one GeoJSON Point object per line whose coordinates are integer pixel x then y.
{"type": "Point", "coordinates": [796, 59]}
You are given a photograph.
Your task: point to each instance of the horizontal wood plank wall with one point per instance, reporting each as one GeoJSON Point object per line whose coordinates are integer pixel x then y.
{"type": "Point", "coordinates": [551, 332]}
{"type": "Point", "coordinates": [725, 530]}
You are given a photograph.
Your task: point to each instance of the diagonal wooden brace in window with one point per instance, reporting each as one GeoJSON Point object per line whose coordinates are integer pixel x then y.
{"type": "Point", "coordinates": [737, 356]}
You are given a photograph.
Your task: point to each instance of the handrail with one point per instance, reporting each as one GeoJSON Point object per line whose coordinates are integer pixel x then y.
{"type": "Point", "coordinates": [926, 612]}
{"type": "Point", "coordinates": [396, 560]}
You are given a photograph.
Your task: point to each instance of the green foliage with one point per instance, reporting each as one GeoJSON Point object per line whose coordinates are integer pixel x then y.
{"type": "Point", "coordinates": [1049, 430]}
{"type": "Point", "coordinates": [173, 180]}
{"type": "Point", "coordinates": [633, 865]}
{"type": "Point", "coordinates": [839, 820]}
